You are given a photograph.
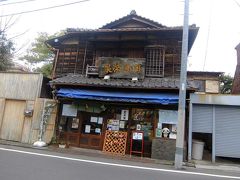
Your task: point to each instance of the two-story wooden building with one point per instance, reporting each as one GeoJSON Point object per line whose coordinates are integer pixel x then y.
{"type": "Point", "coordinates": [117, 81]}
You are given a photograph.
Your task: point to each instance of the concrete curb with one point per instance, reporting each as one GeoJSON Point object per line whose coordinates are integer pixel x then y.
{"type": "Point", "coordinates": [219, 167]}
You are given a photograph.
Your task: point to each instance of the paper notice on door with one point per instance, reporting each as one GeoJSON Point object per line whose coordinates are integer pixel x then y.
{"type": "Point", "coordinates": [87, 128]}
{"type": "Point", "coordinates": [94, 119]}
{"type": "Point", "coordinates": [97, 130]}
{"type": "Point", "coordinates": [100, 120]}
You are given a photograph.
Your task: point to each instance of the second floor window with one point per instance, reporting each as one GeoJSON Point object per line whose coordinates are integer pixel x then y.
{"type": "Point", "coordinates": [154, 61]}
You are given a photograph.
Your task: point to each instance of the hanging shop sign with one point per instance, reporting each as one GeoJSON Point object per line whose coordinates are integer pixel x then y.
{"type": "Point", "coordinates": [122, 67]}
{"type": "Point", "coordinates": [124, 115]}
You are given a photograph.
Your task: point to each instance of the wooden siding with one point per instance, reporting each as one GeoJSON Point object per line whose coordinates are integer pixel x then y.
{"type": "Point", "coordinates": [13, 120]}
{"type": "Point", "coordinates": [37, 116]}
{"type": "Point", "coordinates": [26, 132]}
{"type": "Point", "coordinates": [17, 127]}
{"type": "Point", "coordinates": [212, 86]}
{"type": "Point", "coordinates": [21, 86]}
{"type": "Point", "coordinates": [2, 107]}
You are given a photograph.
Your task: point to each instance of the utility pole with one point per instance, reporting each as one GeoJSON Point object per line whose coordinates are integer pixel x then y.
{"type": "Point", "coordinates": [182, 91]}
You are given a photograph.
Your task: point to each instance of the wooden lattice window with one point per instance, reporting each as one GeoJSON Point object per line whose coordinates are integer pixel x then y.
{"type": "Point", "coordinates": [154, 61]}
{"type": "Point", "coordinates": [66, 62]}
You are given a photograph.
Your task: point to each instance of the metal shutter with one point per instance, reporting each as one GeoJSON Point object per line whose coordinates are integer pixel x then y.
{"type": "Point", "coordinates": [227, 131]}
{"type": "Point", "coordinates": [202, 118]}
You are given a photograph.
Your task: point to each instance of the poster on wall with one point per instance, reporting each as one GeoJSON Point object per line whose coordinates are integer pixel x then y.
{"type": "Point", "coordinates": [158, 132]}
{"type": "Point", "coordinates": [159, 125]}
{"type": "Point", "coordinates": [115, 127]}
{"type": "Point", "coordinates": [122, 124]}
{"type": "Point", "coordinates": [113, 124]}
{"type": "Point", "coordinates": [69, 110]}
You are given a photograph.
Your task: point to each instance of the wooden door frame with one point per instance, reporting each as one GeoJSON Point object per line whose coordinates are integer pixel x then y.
{"type": "Point", "coordinates": [92, 136]}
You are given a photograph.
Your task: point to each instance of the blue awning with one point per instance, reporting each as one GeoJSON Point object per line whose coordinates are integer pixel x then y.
{"type": "Point", "coordinates": [116, 96]}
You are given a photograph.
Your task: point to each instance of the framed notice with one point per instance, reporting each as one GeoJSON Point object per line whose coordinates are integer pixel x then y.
{"type": "Point", "coordinates": [137, 136]}
{"type": "Point", "coordinates": [69, 110]}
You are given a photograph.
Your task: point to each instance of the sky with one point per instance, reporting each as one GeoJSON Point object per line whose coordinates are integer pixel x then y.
{"type": "Point", "coordinates": [213, 50]}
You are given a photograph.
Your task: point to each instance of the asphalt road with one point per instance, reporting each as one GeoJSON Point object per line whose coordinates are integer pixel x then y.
{"type": "Point", "coordinates": [31, 164]}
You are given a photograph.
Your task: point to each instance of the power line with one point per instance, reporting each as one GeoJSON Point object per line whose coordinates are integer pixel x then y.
{"type": "Point", "coordinates": [237, 3]}
{"type": "Point", "coordinates": [208, 34]}
{"type": "Point", "coordinates": [19, 2]}
{"type": "Point", "coordinates": [42, 9]}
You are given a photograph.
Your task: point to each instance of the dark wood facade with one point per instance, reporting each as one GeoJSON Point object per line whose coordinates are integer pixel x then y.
{"type": "Point", "coordinates": [151, 49]}
{"type": "Point", "coordinates": [129, 37]}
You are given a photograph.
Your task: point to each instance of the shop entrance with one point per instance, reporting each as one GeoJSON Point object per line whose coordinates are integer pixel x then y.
{"type": "Point", "coordinates": [86, 130]}
{"type": "Point", "coordinates": [91, 131]}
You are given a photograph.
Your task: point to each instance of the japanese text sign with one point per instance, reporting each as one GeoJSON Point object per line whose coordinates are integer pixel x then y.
{"type": "Point", "coordinates": [122, 67]}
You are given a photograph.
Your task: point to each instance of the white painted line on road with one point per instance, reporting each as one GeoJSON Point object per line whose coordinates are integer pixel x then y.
{"type": "Point", "coordinates": [120, 165]}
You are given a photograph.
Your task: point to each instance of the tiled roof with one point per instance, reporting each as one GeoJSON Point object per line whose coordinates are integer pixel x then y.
{"type": "Point", "coordinates": [147, 83]}
{"type": "Point", "coordinates": [81, 30]}
{"type": "Point", "coordinates": [216, 73]}
{"type": "Point", "coordinates": [132, 16]}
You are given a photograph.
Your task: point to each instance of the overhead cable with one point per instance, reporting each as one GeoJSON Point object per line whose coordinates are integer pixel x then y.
{"type": "Point", "coordinates": [237, 3]}
{"type": "Point", "coordinates": [208, 35]}
{"type": "Point", "coordinates": [42, 9]}
{"type": "Point", "coordinates": [19, 2]}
